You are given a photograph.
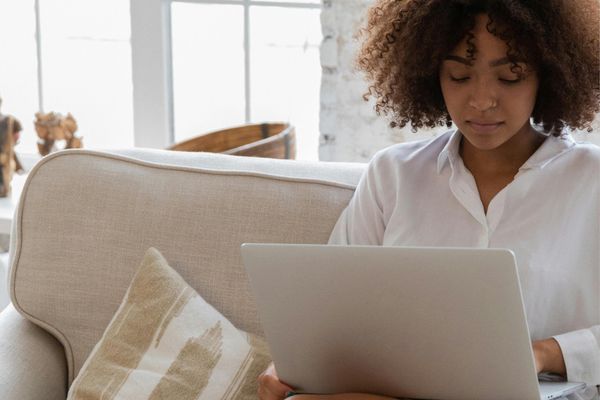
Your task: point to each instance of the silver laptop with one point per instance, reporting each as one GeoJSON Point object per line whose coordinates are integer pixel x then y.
{"type": "Point", "coordinates": [419, 323]}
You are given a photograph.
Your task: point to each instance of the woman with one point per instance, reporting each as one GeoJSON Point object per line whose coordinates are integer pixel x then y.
{"type": "Point", "coordinates": [512, 76]}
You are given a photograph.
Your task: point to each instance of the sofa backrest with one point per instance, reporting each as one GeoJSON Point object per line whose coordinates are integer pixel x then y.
{"type": "Point", "coordinates": [86, 218]}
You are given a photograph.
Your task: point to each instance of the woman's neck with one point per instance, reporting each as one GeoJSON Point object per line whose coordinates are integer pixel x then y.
{"type": "Point", "coordinates": [506, 159]}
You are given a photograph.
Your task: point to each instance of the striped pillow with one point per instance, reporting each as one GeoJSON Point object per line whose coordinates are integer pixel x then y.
{"type": "Point", "coordinates": [166, 342]}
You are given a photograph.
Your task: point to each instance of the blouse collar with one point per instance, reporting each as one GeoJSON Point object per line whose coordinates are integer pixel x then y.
{"type": "Point", "coordinates": [550, 149]}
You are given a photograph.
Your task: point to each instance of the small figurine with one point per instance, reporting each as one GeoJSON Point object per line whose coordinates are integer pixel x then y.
{"type": "Point", "coordinates": [51, 127]}
{"type": "Point", "coordinates": [10, 130]}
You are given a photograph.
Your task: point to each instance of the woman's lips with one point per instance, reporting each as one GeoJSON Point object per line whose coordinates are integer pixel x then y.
{"type": "Point", "coordinates": [484, 127]}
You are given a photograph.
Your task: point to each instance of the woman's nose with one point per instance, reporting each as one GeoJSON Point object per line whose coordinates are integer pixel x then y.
{"type": "Point", "coordinates": [482, 97]}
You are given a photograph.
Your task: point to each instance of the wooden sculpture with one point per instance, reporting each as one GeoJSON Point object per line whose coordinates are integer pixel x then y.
{"type": "Point", "coordinates": [51, 127]}
{"type": "Point", "coordinates": [10, 129]}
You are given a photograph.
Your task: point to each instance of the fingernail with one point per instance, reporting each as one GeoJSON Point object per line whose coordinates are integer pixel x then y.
{"type": "Point", "coordinates": [290, 394]}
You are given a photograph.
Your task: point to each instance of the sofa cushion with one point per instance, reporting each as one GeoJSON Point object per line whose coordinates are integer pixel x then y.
{"type": "Point", "coordinates": [85, 219]}
{"type": "Point", "coordinates": [165, 341]}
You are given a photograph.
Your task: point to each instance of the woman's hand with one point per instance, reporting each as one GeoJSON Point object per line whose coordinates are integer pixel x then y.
{"type": "Point", "coordinates": [549, 357]}
{"type": "Point", "coordinates": [270, 387]}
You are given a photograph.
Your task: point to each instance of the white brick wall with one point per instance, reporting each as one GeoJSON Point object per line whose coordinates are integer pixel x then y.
{"type": "Point", "coordinates": [350, 129]}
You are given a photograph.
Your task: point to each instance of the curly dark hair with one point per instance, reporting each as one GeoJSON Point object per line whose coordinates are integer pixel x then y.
{"type": "Point", "coordinates": [405, 42]}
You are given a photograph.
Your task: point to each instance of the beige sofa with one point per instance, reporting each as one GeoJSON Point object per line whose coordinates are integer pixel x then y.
{"type": "Point", "coordinates": [86, 218]}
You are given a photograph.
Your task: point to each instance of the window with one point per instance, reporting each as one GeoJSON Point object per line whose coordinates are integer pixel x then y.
{"type": "Point", "coordinates": [245, 61]}
{"type": "Point", "coordinates": [77, 60]}
{"type": "Point", "coordinates": [208, 67]}
{"type": "Point", "coordinates": [86, 68]}
{"type": "Point", "coordinates": [18, 66]}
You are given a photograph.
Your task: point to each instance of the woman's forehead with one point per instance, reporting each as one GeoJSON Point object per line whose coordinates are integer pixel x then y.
{"type": "Point", "coordinates": [481, 45]}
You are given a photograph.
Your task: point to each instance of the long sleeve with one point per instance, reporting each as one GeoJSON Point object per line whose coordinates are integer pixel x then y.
{"type": "Point", "coordinates": [581, 352]}
{"type": "Point", "coordinates": [581, 349]}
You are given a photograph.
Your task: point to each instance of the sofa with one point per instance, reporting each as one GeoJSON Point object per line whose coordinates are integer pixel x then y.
{"type": "Point", "coordinates": [86, 218]}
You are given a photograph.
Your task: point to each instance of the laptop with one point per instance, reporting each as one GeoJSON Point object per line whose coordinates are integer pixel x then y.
{"type": "Point", "coordinates": [418, 323]}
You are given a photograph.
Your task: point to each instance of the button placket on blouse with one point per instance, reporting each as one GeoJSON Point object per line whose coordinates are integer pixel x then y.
{"type": "Point", "coordinates": [463, 187]}
{"type": "Point", "coordinates": [496, 209]}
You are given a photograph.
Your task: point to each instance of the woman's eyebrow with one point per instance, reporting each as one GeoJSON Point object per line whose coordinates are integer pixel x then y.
{"type": "Point", "coordinates": [499, 62]}
{"type": "Point", "coordinates": [493, 63]}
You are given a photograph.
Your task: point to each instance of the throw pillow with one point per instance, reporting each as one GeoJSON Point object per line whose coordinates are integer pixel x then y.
{"type": "Point", "coordinates": [166, 342]}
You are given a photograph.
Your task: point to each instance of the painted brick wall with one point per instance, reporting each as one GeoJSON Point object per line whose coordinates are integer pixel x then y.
{"type": "Point", "coordinates": [349, 128]}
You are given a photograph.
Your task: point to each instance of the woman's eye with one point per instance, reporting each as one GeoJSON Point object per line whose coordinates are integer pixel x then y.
{"type": "Point", "coordinates": [510, 81]}
{"type": "Point", "coordinates": [453, 79]}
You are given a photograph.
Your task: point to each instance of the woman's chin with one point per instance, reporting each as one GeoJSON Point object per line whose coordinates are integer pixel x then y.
{"type": "Point", "coordinates": [484, 142]}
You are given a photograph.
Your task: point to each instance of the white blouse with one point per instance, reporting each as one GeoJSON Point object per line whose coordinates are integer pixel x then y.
{"type": "Point", "coordinates": [421, 194]}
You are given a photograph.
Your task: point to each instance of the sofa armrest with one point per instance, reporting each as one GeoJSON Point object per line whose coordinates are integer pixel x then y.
{"type": "Point", "coordinates": [32, 362]}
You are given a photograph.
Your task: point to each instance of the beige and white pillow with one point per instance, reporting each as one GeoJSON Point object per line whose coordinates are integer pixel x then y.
{"type": "Point", "coordinates": [166, 342]}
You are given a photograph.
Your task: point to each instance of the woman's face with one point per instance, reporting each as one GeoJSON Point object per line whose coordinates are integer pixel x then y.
{"type": "Point", "coordinates": [487, 101]}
